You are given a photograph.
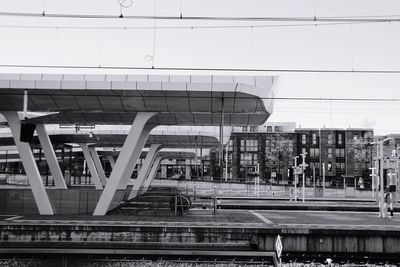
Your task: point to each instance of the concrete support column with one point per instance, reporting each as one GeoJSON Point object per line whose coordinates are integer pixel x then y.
{"type": "Point", "coordinates": [111, 160]}
{"type": "Point", "coordinates": [92, 167]}
{"type": "Point", "coordinates": [128, 156]}
{"type": "Point", "coordinates": [51, 158]}
{"type": "Point", "coordinates": [188, 169]}
{"type": "Point", "coordinates": [135, 156]}
{"type": "Point", "coordinates": [152, 174]}
{"type": "Point", "coordinates": [145, 170]}
{"type": "Point", "coordinates": [31, 169]}
{"type": "Point", "coordinates": [163, 171]}
{"type": "Point", "coordinates": [97, 164]}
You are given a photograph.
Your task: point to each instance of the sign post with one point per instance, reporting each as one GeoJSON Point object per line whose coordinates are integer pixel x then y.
{"type": "Point", "coordinates": [278, 248]}
{"type": "Point", "coordinates": [296, 179]}
{"type": "Point", "coordinates": [303, 166]}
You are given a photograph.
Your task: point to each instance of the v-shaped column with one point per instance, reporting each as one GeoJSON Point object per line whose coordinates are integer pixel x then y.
{"type": "Point", "coordinates": [152, 174]}
{"type": "Point", "coordinates": [51, 158]}
{"type": "Point", "coordinates": [92, 167]}
{"type": "Point", "coordinates": [111, 160]}
{"type": "Point", "coordinates": [145, 170]}
{"type": "Point", "coordinates": [98, 165]}
{"type": "Point", "coordinates": [31, 169]}
{"type": "Point", "coordinates": [126, 161]}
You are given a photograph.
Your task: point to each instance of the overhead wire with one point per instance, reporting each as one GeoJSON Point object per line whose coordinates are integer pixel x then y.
{"type": "Point", "coordinates": [239, 70]}
{"type": "Point", "coordinates": [382, 18]}
{"type": "Point", "coordinates": [182, 27]}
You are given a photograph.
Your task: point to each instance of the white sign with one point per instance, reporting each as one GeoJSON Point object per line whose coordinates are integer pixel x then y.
{"type": "Point", "coordinates": [278, 246]}
{"type": "Point", "coordinates": [298, 170]}
{"type": "Point", "coordinates": [273, 174]}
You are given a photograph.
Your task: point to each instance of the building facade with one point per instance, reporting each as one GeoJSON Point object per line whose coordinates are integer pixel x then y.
{"type": "Point", "coordinates": [339, 153]}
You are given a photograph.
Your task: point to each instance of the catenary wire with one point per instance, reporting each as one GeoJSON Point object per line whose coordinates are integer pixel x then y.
{"type": "Point", "coordinates": [183, 27]}
{"type": "Point", "coordinates": [243, 70]}
{"type": "Point", "coordinates": [386, 18]}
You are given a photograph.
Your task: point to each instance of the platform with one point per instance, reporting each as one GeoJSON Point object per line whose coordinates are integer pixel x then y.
{"type": "Point", "coordinates": [310, 232]}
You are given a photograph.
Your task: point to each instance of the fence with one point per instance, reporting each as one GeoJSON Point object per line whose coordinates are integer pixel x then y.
{"type": "Point", "coordinates": [231, 189]}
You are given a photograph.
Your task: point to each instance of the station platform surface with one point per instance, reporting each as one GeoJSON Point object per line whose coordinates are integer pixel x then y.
{"type": "Point", "coordinates": [259, 219]}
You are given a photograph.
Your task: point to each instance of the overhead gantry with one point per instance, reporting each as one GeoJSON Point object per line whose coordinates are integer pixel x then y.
{"type": "Point", "coordinates": [142, 101]}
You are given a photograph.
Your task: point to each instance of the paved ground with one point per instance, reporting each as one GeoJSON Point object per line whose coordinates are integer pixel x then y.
{"type": "Point", "coordinates": [228, 219]}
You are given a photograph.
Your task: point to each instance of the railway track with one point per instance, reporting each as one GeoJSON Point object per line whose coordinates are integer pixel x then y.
{"type": "Point", "coordinates": [133, 258]}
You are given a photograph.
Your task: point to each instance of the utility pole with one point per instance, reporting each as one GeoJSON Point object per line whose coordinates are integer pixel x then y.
{"type": "Point", "coordinates": [379, 157]}
{"type": "Point", "coordinates": [303, 166]}
{"type": "Point", "coordinates": [296, 178]}
{"type": "Point", "coordinates": [323, 179]}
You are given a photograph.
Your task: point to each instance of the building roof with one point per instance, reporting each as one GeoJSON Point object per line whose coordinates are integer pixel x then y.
{"type": "Point", "coordinates": [115, 99]}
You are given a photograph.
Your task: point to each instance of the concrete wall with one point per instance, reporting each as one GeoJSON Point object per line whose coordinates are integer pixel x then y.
{"type": "Point", "coordinates": [295, 240]}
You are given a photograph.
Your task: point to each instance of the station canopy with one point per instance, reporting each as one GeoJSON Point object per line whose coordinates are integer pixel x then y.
{"type": "Point", "coordinates": [113, 138]}
{"type": "Point", "coordinates": [116, 99]}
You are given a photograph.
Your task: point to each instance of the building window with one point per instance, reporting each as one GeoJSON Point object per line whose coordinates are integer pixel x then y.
{"type": "Point", "coordinates": [314, 139]}
{"type": "Point", "coordinates": [242, 145]}
{"type": "Point", "coordinates": [339, 152]}
{"type": "Point", "coordinates": [253, 129]}
{"type": "Point", "coordinates": [329, 153]}
{"type": "Point", "coordinates": [356, 167]}
{"type": "Point", "coordinates": [278, 129]}
{"type": "Point", "coordinates": [340, 139]}
{"type": "Point", "coordinates": [330, 139]}
{"type": "Point", "coordinates": [314, 152]}
{"type": "Point", "coordinates": [329, 167]}
{"type": "Point", "coordinates": [251, 145]}
{"type": "Point", "coordinates": [303, 150]}
{"type": "Point", "coordinates": [314, 165]}
{"type": "Point", "coordinates": [340, 167]}
{"type": "Point", "coordinates": [244, 129]}
{"type": "Point", "coordinates": [269, 129]}
{"type": "Point", "coordinates": [247, 159]}
{"type": "Point", "coordinates": [230, 145]}
{"type": "Point", "coordinates": [303, 139]}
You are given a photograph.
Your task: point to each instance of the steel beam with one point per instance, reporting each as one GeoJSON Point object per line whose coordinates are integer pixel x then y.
{"type": "Point", "coordinates": [28, 160]}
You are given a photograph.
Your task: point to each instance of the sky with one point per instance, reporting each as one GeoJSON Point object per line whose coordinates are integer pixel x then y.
{"type": "Point", "coordinates": [275, 46]}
